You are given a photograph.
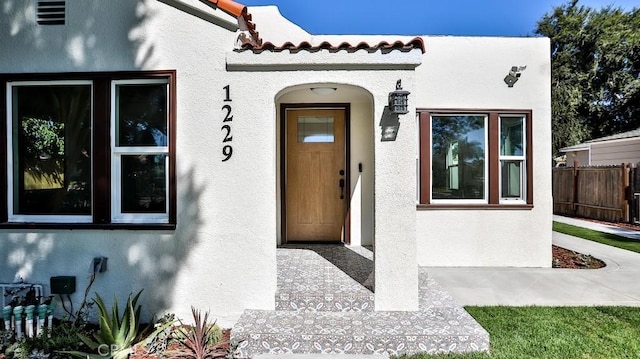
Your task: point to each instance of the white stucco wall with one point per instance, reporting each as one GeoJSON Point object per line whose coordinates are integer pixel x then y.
{"type": "Point", "coordinates": [393, 181]}
{"type": "Point", "coordinates": [468, 73]}
{"type": "Point", "coordinates": [221, 257]}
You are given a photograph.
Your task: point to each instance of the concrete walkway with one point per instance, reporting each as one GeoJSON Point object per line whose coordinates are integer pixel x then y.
{"type": "Point", "coordinates": [616, 284]}
{"type": "Point", "coordinates": [598, 227]}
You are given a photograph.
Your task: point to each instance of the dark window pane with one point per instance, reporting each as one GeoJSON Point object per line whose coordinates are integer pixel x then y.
{"type": "Point", "coordinates": [511, 143]}
{"type": "Point", "coordinates": [52, 149]}
{"type": "Point", "coordinates": [458, 157]}
{"type": "Point", "coordinates": [511, 179]}
{"type": "Point", "coordinates": [144, 185]}
{"type": "Point", "coordinates": [141, 115]}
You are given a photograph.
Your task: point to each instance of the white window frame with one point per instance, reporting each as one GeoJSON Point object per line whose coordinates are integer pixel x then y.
{"type": "Point", "coordinates": [484, 200]}
{"type": "Point", "coordinates": [117, 216]}
{"type": "Point", "coordinates": [522, 159]}
{"type": "Point", "coordinates": [42, 218]}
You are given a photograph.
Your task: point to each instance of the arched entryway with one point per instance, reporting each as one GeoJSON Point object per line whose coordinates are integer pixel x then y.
{"type": "Point", "coordinates": [327, 129]}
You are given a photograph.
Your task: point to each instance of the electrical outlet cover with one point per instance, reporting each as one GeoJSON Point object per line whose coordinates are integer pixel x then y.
{"type": "Point", "coordinates": [63, 285]}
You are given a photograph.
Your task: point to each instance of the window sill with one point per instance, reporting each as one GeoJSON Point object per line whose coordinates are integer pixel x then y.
{"type": "Point", "coordinates": [421, 207]}
{"type": "Point", "coordinates": [91, 226]}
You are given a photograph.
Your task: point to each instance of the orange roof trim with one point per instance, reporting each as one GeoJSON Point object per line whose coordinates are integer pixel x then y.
{"type": "Point", "coordinates": [383, 46]}
{"type": "Point", "coordinates": [240, 12]}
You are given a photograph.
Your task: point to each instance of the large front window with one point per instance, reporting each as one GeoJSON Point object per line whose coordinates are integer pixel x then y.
{"type": "Point", "coordinates": [89, 148]}
{"type": "Point", "coordinates": [475, 158]}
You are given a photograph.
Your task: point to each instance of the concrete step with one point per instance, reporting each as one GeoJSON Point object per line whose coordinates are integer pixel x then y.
{"type": "Point", "coordinates": [317, 302]}
{"type": "Point", "coordinates": [435, 330]}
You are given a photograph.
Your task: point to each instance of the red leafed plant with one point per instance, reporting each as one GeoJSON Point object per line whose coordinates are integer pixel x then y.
{"type": "Point", "coordinates": [201, 340]}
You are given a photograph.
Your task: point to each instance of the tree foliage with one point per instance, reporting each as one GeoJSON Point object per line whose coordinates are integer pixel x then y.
{"type": "Point", "coordinates": [595, 70]}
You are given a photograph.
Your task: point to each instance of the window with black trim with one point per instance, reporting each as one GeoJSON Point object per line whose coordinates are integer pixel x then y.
{"type": "Point", "coordinates": [92, 149]}
{"type": "Point", "coordinates": [479, 158]}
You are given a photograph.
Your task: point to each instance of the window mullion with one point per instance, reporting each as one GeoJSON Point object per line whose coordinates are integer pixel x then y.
{"type": "Point", "coordinates": [101, 150]}
{"type": "Point", "coordinates": [425, 157]}
{"type": "Point", "coordinates": [494, 162]}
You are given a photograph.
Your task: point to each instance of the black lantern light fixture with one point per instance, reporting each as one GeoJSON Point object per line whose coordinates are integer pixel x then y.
{"type": "Point", "coordinates": [398, 100]}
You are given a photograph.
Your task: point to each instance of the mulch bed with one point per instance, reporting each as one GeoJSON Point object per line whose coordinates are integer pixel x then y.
{"type": "Point", "coordinates": [564, 258]}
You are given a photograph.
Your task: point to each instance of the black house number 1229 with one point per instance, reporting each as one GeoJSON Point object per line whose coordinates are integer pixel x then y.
{"type": "Point", "coordinates": [227, 149]}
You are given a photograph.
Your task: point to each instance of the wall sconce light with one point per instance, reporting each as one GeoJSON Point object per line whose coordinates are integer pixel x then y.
{"type": "Point", "coordinates": [513, 75]}
{"type": "Point", "coordinates": [389, 125]}
{"type": "Point", "coordinates": [398, 100]}
{"type": "Point", "coordinates": [390, 132]}
{"type": "Point", "coordinates": [323, 91]}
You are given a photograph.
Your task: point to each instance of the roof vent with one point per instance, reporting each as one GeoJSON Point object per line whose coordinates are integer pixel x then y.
{"type": "Point", "coordinates": [51, 12]}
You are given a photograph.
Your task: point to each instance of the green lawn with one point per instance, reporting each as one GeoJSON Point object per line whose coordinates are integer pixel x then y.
{"type": "Point", "coordinates": [604, 238]}
{"type": "Point", "coordinates": [560, 332]}
{"type": "Point", "coordinates": [557, 332]}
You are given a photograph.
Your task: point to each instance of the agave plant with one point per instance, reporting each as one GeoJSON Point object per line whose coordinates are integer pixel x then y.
{"type": "Point", "coordinates": [117, 335]}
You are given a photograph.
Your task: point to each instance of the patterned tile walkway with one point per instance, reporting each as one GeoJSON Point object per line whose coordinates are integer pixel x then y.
{"type": "Point", "coordinates": [323, 306]}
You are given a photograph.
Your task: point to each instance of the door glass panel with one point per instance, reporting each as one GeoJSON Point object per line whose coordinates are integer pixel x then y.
{"type": "Point", "coordinates": [315, 129]}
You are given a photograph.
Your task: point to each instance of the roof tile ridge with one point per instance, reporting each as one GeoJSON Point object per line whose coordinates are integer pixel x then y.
{"type": "Point", "coordinates": [417, 42]}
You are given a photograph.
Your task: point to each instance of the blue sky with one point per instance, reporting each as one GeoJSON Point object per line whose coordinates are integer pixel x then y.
{"type": "Point", "coordinates": [423, 17]}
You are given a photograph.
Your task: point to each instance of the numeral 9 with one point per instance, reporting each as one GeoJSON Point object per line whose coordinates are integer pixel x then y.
{"type": "Point", "coordinates": [227, 151]}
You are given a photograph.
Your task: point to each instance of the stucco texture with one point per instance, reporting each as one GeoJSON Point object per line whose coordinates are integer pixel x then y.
{"type": "Point", "coordinates": [476, 67]}
{"type": "Point", "coordinates": [222, 255]}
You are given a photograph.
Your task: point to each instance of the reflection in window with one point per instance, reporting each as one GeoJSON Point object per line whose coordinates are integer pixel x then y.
{"type": "Point", "coordinates": [52, 160]}
{"type": "Point", "coordinates": [140, 156]}
{"type": "Point", "coordinates": [511, 136]}
{"type": "Point", "coordinates": [315, 129]}
{"type": "Point", "coordinates": [144, 187]}
{"type": "Point", "coordinates": [458, 157]}
{"type": "Point", "coordinates": [512, 158]}
{"type": "Point", "coordinates": [141, 114]}
{"type": "Point", "coordinates": [511, 179]}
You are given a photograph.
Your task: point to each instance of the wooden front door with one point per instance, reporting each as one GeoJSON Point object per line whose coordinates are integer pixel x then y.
{"type": "Point", "coordinates": [315, 187]}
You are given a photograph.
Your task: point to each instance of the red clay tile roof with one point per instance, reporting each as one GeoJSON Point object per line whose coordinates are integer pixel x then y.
{"type": "Point", "coordinates": [253, 42]}
{"type": "Point", "coordinates": [240, 12]}
{"type": "Point", "coordinates": [383, 46]}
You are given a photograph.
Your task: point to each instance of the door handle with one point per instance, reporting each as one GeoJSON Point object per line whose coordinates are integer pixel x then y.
{"type": "Point", "coordinates": [341, 184]}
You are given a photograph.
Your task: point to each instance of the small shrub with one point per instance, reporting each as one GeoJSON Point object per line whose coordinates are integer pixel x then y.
{"type": "Point", "coordinates": [116, 335]}
{"type": "Point", "coordinates": [203, 340]}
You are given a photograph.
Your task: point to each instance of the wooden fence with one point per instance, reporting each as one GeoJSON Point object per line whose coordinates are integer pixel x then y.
{"type": "Point", "coordinates": [602, 193]}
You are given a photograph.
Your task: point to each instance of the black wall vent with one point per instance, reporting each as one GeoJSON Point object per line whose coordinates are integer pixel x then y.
{"type": "Point", "coordinates": [51, 12]}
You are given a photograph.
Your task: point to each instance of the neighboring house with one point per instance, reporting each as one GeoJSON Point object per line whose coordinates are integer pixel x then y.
{"type": "Point", "coordinates": [610, 150]}
{"type": "Point", "coordinates": [185, 141]}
